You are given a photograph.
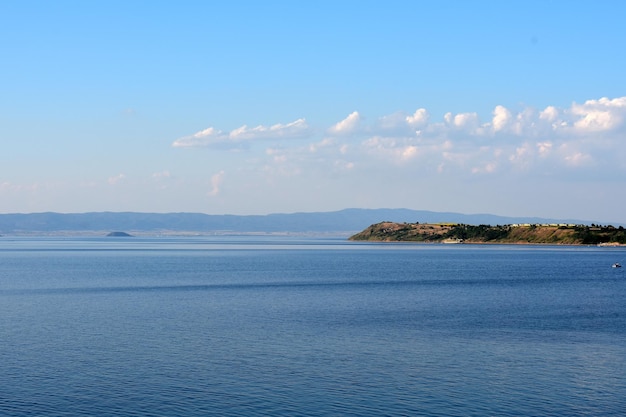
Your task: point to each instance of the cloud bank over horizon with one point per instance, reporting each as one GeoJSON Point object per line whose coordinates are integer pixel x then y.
{"type": "Point", "coordinates": [587, 136]}
{"type": "Point", "coordinates": [548, 162]}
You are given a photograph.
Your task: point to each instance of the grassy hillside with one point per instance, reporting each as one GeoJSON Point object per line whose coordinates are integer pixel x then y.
{"type": "Point", "coordinates": [457, 233]}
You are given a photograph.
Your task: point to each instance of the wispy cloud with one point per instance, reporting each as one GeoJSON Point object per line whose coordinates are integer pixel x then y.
{"type": "Point", "coordinates": [213, 137]}
{"type": "Point", "coordinates": [203, 138]}
{"type": "Point", "coordinates": [7, 186]}
{"type": "Point", "coordinates": [216, 184]}
{"type": "Point", "coordinates": [296, 129]}
{"type": "Point", "coordinates": [116, 179]}
{"type": "Point", "coordinates": [162, 174]}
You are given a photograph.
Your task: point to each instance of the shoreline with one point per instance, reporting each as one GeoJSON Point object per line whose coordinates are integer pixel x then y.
{"type": "Point", "coordinates": [451, 233]}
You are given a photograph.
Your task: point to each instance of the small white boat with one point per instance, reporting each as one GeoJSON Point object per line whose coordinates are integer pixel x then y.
{"type": "Point", "coordinates": [616, 265]}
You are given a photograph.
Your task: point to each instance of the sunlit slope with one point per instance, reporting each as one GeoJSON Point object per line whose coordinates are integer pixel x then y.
{"type": "Point", "coordinates": [525, 233]}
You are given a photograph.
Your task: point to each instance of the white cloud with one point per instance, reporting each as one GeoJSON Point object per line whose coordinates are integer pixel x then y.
{"type": "Point", "coordinates": [116, 179]}
{"type": "Point", "coordinates": [7, 186]}
{"type": "Point", "coordinates": [162, 179]}
{"type": "Point", "coordinates": [216, 184]}
{"type": "Point", "coordinates": [214, 137]}
{"type": "Point", "coordinates": [575, 137]}
{"type": "Point", "coordinates": [501, 118]}
{"type": "Point", "coordinates": [599, 115]}
{"type": "Point", "coordinates": [324, 143]}
{"type": "Point", "coordinates": [468, 122]}
{"type": "Point", "coordinates": [296, 129]}
{"type": "Point", "coordinates": [346, 126]}
{"type": "Point", "coordinates": [349, 165]}
{"type": "Point", "coordinates": [398, 124]}
{"type": "Point", "coordinates": [573, 155]}
{"type": "Point", "coordinates": [390, 149]}
{"type": "Point", "coordinates": [544, 148]}
{"type": "Point", "coordinates": [550, 114]}
{"type": "Point", "coordinates": [162, 174]}
{"type": "Point", "coordinates": [522, 156]}
{"type": "Point", "coordinates": [523, 141]}
{"type": "Point", "coordinates": [409, 152]}
{"type": "Point", "coordinates": [487, 168]}
{"type": "Point", "coordinates": [578, 159]}
{"type": "Point", "coordinates": [206, 137]}
{"type": "Point", "coordinates": [418, 119]}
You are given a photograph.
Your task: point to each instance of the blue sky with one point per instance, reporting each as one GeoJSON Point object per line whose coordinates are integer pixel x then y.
{"type": "Point", "coordinates": [510, 108]}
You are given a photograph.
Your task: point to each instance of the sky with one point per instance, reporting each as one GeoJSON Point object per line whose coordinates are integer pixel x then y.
{"type": "Point", "coordinates": [246, 107]}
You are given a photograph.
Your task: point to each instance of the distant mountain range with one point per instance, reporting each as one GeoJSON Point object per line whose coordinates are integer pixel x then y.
{"type": "Point", "coordinates": [346, 221]}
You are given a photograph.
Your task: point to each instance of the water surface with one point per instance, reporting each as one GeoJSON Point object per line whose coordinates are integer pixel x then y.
{"type": "Point", "coordinates": [292, 326]}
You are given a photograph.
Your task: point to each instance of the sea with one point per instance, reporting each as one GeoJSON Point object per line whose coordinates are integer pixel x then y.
{"type": "Point", "coordinates": [308, 326]}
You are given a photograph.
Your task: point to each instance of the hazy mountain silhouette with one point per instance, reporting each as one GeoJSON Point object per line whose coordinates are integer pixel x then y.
{"type": "Point", "coordinates": [343, 221]}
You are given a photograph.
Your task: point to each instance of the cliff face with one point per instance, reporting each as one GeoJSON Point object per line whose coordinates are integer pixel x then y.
{"type": "Point", "coordinates": [456, 233]}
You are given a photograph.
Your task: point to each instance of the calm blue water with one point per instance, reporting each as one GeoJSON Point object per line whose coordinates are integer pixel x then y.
{"type": "Point", "coordinates": [286, 326]}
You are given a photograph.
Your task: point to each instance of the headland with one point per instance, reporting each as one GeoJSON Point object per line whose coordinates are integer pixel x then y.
{"type": "Point", "coordinates": [554, 234]}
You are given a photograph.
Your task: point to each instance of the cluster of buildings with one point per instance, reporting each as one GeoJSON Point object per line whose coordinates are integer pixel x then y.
{"type": "Point", "coordinates": [544, 225]}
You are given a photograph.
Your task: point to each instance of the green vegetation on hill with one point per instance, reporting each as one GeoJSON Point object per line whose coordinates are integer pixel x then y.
{"type": "Point", "coordinates": [527, 233]}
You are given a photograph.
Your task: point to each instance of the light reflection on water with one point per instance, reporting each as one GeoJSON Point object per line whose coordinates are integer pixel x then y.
{"type": "Point", "coordinates": [326, 327]}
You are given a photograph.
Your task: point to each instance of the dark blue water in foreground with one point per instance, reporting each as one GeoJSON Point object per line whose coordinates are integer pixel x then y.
{"type": "Point", "coordinates": [285, 326]}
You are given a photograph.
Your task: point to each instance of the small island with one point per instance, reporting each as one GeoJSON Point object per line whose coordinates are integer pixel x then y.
{"type": "Point", "coordinates": [119, 234]}
{"type": "Point", "coordinates": [554, 234]}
